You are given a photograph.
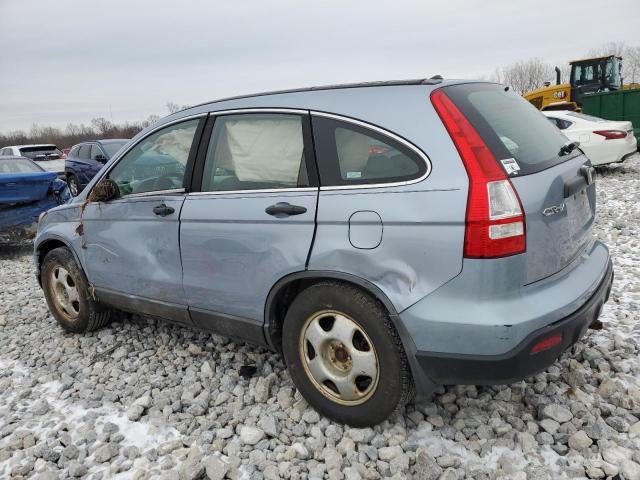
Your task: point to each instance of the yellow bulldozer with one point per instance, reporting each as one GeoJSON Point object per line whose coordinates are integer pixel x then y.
{"type": "Point", "coordinates": [589, 75]}
{"type": "Point", "coordinates": [595, 88]}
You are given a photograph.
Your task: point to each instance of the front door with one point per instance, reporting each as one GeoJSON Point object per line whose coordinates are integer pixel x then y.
{"type": "Point", "coordinates": [253, 220]}
{"type": "Point", "coordinates": [132, 252]}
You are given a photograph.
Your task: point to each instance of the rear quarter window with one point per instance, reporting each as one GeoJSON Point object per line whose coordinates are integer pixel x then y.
{"type": "Point", "coordinates": [355, 154]}
{"type": "Point", "coordinates": [510, 126]}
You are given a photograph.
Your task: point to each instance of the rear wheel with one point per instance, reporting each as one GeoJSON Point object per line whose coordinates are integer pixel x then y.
{"type": "Point", "coordinates": [67, 294]}
{"type": "Point", "coordinates": [344, 355]}
{"type": "Point", "coordinates": [74, 186]}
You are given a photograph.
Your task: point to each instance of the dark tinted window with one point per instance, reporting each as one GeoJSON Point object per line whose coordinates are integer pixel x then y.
{"type": "Point", "coordinates": [559, 122]}
{"type": "Point", "coordinates": [510, 126]}
{"type": "Point", "coordinates": [255, 152]}
{"type": "Point", "coordinates": [45, 152]}
{"type": "Point", "coordinates": [95, 151]}
{"type": "Point", "coordinates": [84, 152]}
{"type": "Point", "coordinates": [350, 154]}
{"type": "Point", "coordinates": [113, 147]}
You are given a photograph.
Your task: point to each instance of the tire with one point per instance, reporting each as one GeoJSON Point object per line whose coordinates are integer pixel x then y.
{"type": "Point", "coordinates": [66, 291]}
{"type": "Point", "coordinates": [334, 331]}
{"type": "Point", "coordinates": [74, 186]}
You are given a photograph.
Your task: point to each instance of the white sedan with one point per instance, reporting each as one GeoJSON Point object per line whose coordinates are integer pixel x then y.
{"type": "Point", "coordinates": [603, 141]}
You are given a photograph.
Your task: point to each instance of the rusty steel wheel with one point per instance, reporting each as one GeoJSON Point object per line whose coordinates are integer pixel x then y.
{"type": "Point", "coordinates": [339, 357]}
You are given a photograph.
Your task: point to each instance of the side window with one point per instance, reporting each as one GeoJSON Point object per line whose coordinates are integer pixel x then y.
{"type": "Point", "coordinates": [255, 152]}
{"type": "Point", "coordinates": [95, 151]}
{"type": "Point", "coordinates": [554, 121]}
{"type": "Point", "coordinates": [350, 154]}
{"type": "Point", "coordinates": [74, 151]}
{"type": "Point", "coordinates": [564, 124]}
{"type": "Point", "coordinates": [157, 162]}
{"type": "Point", "coordinates": [84, 152]}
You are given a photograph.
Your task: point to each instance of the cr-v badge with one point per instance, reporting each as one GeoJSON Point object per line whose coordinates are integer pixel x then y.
{"type": "Point", "coordinates": [553, 209]}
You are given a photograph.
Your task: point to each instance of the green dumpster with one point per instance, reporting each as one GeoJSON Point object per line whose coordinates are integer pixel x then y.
{"type": "Point", "coordinates": [618, 105]}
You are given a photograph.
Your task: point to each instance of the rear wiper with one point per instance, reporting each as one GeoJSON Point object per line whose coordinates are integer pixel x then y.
{"type": "Point", "coordinates": [567, 148]}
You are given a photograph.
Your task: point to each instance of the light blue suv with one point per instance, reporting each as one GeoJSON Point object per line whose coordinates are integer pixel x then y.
{"type": "Point", "coordinates": [385, 237]}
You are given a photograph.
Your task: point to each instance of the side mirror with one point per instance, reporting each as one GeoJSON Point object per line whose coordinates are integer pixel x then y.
{"type": "Point", "coordinates": [100, 158]}
{"type": "Point", "coordinates": [104, 191]}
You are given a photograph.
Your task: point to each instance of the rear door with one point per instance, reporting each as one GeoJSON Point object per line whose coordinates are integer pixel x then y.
{"type": "Point", "coordinates": [252, 221]}
{"type": "Point", "coordinates": [556, 188]}
{"type": "Point", "coordinates": [82, 164]}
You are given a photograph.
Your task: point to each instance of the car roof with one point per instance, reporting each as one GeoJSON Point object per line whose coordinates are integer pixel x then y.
{"type": "Point", "coordinates": [392, 105]}
{"type": "Point", "coordinates": [113, 140]}
{"type": "Point", "coordinates": [105, 141]}
{"type": "Point", "coordinates": [32, 145]}
{"type": "Point", "coordinates": [436, 79]}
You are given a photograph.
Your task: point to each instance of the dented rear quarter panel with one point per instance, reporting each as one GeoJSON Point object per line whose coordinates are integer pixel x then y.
{"type": "Point", "coordinates": [422, 223]}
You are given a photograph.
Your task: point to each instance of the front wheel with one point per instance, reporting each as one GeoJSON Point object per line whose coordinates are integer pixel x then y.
{"type": "Point", "coordinates": [67, 293]}
{"type": "Point", "coordinates": [344, 355]}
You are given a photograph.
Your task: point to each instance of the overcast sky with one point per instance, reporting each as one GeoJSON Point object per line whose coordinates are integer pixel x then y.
{"type": "Point", "coordinates": [67, 61]}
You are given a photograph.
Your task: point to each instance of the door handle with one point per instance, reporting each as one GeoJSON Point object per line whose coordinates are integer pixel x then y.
{"type": "Point", "coordinates": [284, 209]}
{"type": "Point", "coordinates": [163, 210]}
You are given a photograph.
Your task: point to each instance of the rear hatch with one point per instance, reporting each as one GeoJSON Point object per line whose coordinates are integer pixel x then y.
{"type": "Point", "coordinates": [48, 157]}
{"type": "Point", "coordinates": [555, 187]}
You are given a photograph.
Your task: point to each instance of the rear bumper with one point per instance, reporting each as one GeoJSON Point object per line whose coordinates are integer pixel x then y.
{"type": "Point", "coordinates": [631, 155]}
{"type": "Point", "coordinates": [519, 362]}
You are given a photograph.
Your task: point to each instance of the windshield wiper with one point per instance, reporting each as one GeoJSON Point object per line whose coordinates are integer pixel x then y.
{"type": "Point", "coordinates": [567, 148]}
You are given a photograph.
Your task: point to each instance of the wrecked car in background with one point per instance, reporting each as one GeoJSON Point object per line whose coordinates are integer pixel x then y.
{"type": "Point", "coordinates": [46, 155]}
{"type": "Point", "coordinates": [26, 190]}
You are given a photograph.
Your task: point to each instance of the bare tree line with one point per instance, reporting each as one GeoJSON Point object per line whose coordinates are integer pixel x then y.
{"type": "Point", "coordinates": [530, 74]}
{"type": "Point", "coordinates": [72, 134]}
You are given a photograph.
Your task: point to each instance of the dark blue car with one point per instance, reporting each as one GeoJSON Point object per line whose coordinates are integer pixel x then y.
{"type": "Point", "coordinates": [86, 159]}
{"type": "Point", "coordinates": [26, 190]}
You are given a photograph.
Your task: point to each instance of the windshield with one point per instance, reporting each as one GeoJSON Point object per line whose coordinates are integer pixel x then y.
{"type": "Point", "coordinates": [113, 147]}
{"type": "Point", "coordinates": [43, 152]}
{"type": "Point", "coordinates": [17, 165]}
{"type": "Point", "coordinates": [510, 126]}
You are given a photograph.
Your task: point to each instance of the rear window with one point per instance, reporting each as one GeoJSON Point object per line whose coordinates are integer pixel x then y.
{"type": "Point", "coordinates": [46, 152]}
{"type": "Point", "coordinates": [510, 126]}
{"type": "Point", "coordinates": [18, 166]}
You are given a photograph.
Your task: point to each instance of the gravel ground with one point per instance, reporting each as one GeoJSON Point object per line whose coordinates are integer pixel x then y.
{"type": "Point", "coordinates": [143, 399]}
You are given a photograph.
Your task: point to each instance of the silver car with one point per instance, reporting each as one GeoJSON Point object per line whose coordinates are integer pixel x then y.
{"type": "Point", "coordinates": [385, 237]}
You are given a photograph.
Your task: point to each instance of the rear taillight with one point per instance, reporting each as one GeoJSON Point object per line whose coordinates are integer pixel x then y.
{"type": "Point", "coordinates": [495, 223]}
{"type": "Point", "coordinates": [611, 134]}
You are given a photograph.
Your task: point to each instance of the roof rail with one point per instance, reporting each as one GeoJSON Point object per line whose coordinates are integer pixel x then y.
{"type": "Point", "coordinates": [420, 81]}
